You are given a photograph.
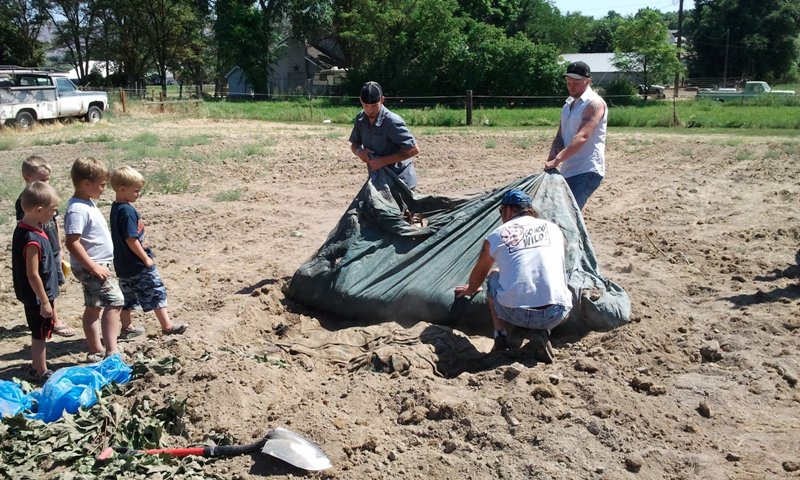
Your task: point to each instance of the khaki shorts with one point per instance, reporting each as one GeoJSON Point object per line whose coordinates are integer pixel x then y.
{"type": "Point", "coordinates": [100, 293]}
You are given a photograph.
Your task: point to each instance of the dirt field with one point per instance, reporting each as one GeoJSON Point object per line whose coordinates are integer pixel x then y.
{"type": "Point", "coordinates": [702, 231]}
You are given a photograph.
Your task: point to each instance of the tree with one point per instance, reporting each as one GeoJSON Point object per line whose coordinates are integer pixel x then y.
{"type": "Point", "coordinates": [641, 49]}
{"type": "Point", "coordinates": [21, 23]}
{"type": "Point", "coordinates": [758, 37]}
{"type": "Point", "coordinates": [75, 23]}
{"type": "Point", "coordinates": [170, 28]}
{"type": "Point", "coordinates": [124, 41]}
{"type": "Point", "coordinates": [601, 34]}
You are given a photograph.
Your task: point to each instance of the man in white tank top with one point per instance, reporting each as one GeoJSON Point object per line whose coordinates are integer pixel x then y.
{"type": "Point", "coordinates": [529, 286]}
{"type": "Point", "coordinates": [579, 146]}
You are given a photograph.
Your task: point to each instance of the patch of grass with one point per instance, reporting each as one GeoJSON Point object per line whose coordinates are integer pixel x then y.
{"type": "Point", "coordinates": [147, 138]}
{"type": "Point", "coordinates": [332, 135]}
{"type": "Point", "coordinates": [10, 187]}
{"type": "Point", "coordinates": [164, 181]}
{"type": "Point", "coordinates": [790, 148]}
{"type": "Point", "coordinates": [251, 150]}
{"type": "Point", "coordinates": [193, 140]}
{"type": "Point", "coordinates": [102, 138]}
{"type": "Point", "coordinates": [228, 195]}
{"type": "Point", "coordinates": [637, 141]}
{"type": "Point", "coordinates": [7, 143]}
{"type": "Point", "coordinates": [686, 152]}
{"type": "Point", "coordinates": [744, 155]}
{"type": "Point", "coordinates": [523, 143]}
{"type": "Point", "coordinates": [5, 218]}
{"type": "Point", "coordinates": [772, 155]}
{"type": "Point", "coordinates": [46, 142]}
{"type": "Point", "coordinates": [490, 143]}
{"type": "Point", "coordinates": [729, 142]}
{"type": "Point", "coordinates": [199, 158]}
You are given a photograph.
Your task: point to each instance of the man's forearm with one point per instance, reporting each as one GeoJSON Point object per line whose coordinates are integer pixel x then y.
{"type": "Point", "coordinates": [396, 157]}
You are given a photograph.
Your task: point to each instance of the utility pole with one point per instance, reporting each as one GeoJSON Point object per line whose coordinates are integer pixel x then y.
{"type": "Point", "coordinates": [680, 37]}
{"type": "Point", "coordinates": [727, 43]}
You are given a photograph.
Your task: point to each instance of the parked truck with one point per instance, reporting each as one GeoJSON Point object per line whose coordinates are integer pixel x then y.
{"type": "Point", "coordinates": [30, 95]}
{"type": "Point", "coordinates": [751, 90]}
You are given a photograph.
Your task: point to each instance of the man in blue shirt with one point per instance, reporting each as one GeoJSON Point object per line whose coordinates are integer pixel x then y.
{"type": "Point", "coordinates": [381, 139]}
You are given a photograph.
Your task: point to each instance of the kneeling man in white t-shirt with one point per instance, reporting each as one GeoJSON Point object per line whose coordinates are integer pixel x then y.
{"type": "Point", "coordinates": [529, 286]}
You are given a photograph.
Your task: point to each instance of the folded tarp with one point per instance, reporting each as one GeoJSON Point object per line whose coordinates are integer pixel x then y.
{"type": "Point", "coordinates": [380, 265]}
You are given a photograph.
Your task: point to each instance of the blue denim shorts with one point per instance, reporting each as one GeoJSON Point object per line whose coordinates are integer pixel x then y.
{"type": "Point", "coordinates": [583, 186]}
{"type": "Point", "coordinates": [144, 290]}
{"type": "Point", "coordinates": [535, 319]}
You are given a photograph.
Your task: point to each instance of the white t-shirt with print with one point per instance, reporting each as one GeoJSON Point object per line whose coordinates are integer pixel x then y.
{"type": "Point", "coordinates": [530, 255]}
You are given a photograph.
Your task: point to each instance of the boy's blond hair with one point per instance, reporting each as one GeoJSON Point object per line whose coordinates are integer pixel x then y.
{"type": "Point", "coordinates": [125, 177]}
{"type": "Point", "coordinates": [38, 194]}
{"type": "Point", "coordinates": [33, 165]}
{"type": "Point", "coordinates": [88, 168]}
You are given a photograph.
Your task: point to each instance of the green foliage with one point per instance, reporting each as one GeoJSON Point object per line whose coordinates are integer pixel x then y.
{"type": "Point", "coordinates": [620, 92]}
{"type": "Point", "coordinates": [67, 448]}
{"type": "Point", "coordinates": [20, 25]}
{"type": "Point", "coordinates": [169, 182]}
{"type": "Point", "coordinates": [7, 143]}
{"type": "Point", "coordinates": [761, 38]}
{"type": "Point", "coordinates": [228, 195]}
{"type": "Point", "coordinates": [429, 47]}
{"type": "Point", "coordinates": [640, 48]}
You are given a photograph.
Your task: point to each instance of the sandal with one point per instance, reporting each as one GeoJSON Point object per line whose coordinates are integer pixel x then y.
{"type": "Point", "coordinates": [64, 331]}
{"type": "Point", "coordinates": [40, 377]}
{"type": "Point", "coordinates": [177, 329]}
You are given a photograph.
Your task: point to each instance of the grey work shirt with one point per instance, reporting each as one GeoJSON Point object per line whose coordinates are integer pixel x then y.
{"type": "Point", "coordinates": [388, 135]}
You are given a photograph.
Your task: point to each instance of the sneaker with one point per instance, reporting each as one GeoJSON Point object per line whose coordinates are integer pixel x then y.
{"type": "Point", "coordinates": [541, 347]}
{"type": "Point", "coordinates": [130, 333]}
{"type": "Point", "coordinates": [177, 329]}
{"type": "Point", "coordinates": [501, 344]}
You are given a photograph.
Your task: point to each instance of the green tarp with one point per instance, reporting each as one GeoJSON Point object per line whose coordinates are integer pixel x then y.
{"type": "Point", "coordinates": [378, 265]}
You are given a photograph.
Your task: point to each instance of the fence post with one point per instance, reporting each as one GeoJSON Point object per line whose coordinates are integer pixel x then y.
{"type": "Point", "coordinates": [122, 100]}
{"type": "Point", "coordinates": [161, 99]}
{"type": "Point", "coordinates": [469, 107]}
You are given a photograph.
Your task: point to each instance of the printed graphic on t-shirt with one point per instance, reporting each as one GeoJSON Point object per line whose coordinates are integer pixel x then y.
{"type": "Point", "coordinates": [517, 237]}
{"type": "Point", "coordinates": [140, 232]}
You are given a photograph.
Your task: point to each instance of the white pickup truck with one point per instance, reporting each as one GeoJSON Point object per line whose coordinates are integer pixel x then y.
{"type": "Point", "coordinates": [28, 96]}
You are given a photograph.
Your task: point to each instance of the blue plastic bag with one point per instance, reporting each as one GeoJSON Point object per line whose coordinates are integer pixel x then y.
{"type": "Point", "coordinates": [65, 391]}
{"type": "Point", "coordinates": [12, 399]}
{"type": "Point", "coordinates": [73, 387]}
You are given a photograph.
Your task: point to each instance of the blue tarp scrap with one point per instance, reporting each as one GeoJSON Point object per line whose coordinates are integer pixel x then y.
{"type": "Point", "coordinates": [66, 390]}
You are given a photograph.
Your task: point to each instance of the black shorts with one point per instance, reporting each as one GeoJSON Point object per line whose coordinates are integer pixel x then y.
{"type": "Point", "coordinates": [41, 328]}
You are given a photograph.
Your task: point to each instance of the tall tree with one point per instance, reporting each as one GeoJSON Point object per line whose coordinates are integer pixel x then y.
{"type": "Point", "coordinates": [601, 34]}
{"type": "Point", "coordinates": [124, 42]}
{"type": "Point", "coordinates": [75, 22]}
{"type": "Point", "coordinates": [20, 24]}
{"type": "Point", "coordinates": [641, 49]}
{"type": "Point", "coordinates": [759, 38]}
{"type": "Point", "coordinates": [170, 27]}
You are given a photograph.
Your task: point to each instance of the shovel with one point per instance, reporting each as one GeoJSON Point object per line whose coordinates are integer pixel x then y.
{"type": "Point", "coordinates": [281, 443]}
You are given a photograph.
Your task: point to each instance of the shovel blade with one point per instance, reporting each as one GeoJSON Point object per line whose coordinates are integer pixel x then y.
{"type": "Point", "coordinates": [295, 450]}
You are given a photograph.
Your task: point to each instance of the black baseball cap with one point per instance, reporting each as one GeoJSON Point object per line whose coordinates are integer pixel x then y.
{"type": "Point", "coordinates": [371, 93]}
{"type": "Point", "coordinates": [578, 70]}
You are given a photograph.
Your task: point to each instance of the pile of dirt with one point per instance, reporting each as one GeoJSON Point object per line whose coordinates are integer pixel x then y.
{"type": "Point", "coordinates": [700, 230]}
